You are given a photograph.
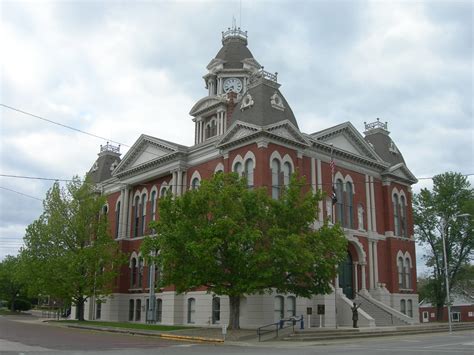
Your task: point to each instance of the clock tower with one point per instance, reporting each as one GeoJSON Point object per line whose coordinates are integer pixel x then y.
{"type": "Point", "coordinates": [228, 74]}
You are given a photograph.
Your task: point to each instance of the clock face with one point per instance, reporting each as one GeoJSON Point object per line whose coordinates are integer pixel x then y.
{"type": "Point", "coordinates": [232, 84]}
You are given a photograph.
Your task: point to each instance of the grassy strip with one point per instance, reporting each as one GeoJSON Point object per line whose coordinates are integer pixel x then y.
{"type": "Point", "coordinates": [125, 325]}
{"type": "Point", "coordinates": [6, 312]}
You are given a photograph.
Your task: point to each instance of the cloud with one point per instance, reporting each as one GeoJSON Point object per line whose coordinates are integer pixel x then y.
{"type": "Point", "coordinates": [120, 69]}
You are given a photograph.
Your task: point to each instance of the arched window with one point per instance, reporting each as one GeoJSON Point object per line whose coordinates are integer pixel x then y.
{"type": "Point", "coordinates": [248, 172]}
{"type": "Point", "coordinates": [153, 205]}
{"type": "Point", "coordinates": [276, 178]}
{"type": "Point", "coordinates": [286, 173]}
{"type": "Point", "coordinates": [400, 273]}
{"type": "Point", "coordinates": [138, 310]}
{"type": "Point", "coordinates": [340, 202]}
{"type": "Point", "coordinates": [159, 309]}
{"type": "Point", "coordinates": [279, 308]}
{"type": "Point", "coordinates": [191, 310]}
{"type": "Point", "coordinates": [140, 272]}
{"type": "Point", "coordinates": [195, 183]}
{"type": "Point", "coordinates": [117, 220]}
{"type": "Point", "coordinates": [136, 216]}
{"type": "Point", "coordinates": [350, 205]}
{"type": "Point", "coordinates": [163, 191]}
{"type": "Point", "coordinates": [291, 306]}
{"type": "Point", "coordinates": [131, 309]}
{"type": "Point", "coordinates": [403, 307]}
{"type": "Point", "coordinates": [403, 217]}
{"type": "Point", "coordinates": [396, 219]}
{"type": "Point", "coordinates": [143, 210]}
{"type": "Point", "coordinates": [238, 168]}
{"type": "Point", "coordinates": [407, 268]}
{"type": "Point", "coordinates": [213, 128]}
{"type": "Point", "coordinates": [216, 310]}
{"type": "Point", "coordinates": [410, 308]}
{"type": "Point", "coordinates": [133, 270]}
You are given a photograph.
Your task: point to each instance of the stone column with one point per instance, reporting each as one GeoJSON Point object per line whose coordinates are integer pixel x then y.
{"type": "Point", "coordinates": [376, 265]}
{"type": "Point", "coordinates": [179, 187]}
{"type": "Point", "coordinates": [356, 278]}
{"type": "Point", "coordinates": [362, 277]}
{"type": "Point", "coordinates": [175, 179]}
{"type": "Point", "coordinates": [371, 267]}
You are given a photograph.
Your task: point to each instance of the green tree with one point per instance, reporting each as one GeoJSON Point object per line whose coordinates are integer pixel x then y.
{"type": "Point", "coordinates": [12, 286]}
{"type": "Point", "coordinates": [446, 210]}
{"type": "Point", "coordinates": [236, 241]}
{"type": "Point", "coordinates": [68, 250]}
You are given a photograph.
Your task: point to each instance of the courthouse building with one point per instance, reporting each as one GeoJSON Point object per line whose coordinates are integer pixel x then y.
{"type": "Point", "coordinates": [244, 124]}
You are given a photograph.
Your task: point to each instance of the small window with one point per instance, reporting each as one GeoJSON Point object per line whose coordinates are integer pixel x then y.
{"type": "Point", "coordinates": [410, 308]}
{"type": "Point", "coordinates": [403, 217]}
{"type": "Point", "coordinates": [143, 208]}
{"type": "Point", "coordinates": [287, 171]}
{"type": "Point", "coordinates": [456, 316]}
{"type": "Point", "coordinates": [216, 310]}
{"type": "Point", "coordinates": [153, 205]}
{"type": "Point", "coordinates": [138, 310]}
{"type": "Point", "coordinates": [98, 309]}
{"type": "Point", "coordinates": [163, 191]}
{"type": "Point", "coordinates": [349, 205]}
{"type": "Point", "coordinates": [140, 272]}
{"type": "Point", "coordinates": [403, 307]}
{"type": "Point", "coordinates": [131, 309]}
{"type": "Point", "coordinates": [407, 274]}
{"type": "Point", "coordinates": [191, 310]}
{"type": "Point", "coordinates": [136, 225]}
{"type": "Point", "coordinates": [401, 278]}
{"type": "Point", "coordinates": [279, 308]}
{"type": "Point", "coordinates": [291, 306]}
{"type": "Point", "coordinates": [159, 309]}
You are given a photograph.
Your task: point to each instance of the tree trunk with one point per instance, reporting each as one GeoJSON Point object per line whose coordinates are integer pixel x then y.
{"type": "Point", "coordinates": [12, 305]}
{"type": "Point", "coordinates": [234, 319]}
{"type": "Point", "coordinates": [80, 308]}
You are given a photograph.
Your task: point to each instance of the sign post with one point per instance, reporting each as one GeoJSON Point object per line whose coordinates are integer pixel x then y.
{"type": "Point", "coordinates": [224, 330]}
{"type": "Point", "coordinates": [321, 312]}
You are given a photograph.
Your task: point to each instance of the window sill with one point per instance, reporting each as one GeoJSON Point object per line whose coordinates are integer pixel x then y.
{"type": "Point", "coordinates": [405, 290]}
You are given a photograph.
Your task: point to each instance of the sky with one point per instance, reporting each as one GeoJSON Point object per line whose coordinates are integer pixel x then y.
{"type": "Point", "coordinates": [118, 69]}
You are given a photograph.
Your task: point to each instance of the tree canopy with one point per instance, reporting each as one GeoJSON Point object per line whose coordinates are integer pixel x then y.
{"type": "Point", "coordinates": [446, 210]}
{"type": "Point", "coordinates": [68, 249]}
{"type": "Point", "coordinates": [236, 241]}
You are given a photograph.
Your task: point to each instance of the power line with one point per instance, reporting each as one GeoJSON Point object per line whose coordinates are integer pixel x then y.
{"type": "Point", "coordinates": [34, 178]}
{"type": "Point", "coordinates": [21, 193]}
{"type": "Point", "coordinates": [62, 125]}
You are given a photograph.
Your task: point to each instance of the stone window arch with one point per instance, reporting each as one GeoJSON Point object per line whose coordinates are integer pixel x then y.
{"type": "Point", "coordinates": [219, 168]}
{"type": "Point", "coordinates": [195, 180]}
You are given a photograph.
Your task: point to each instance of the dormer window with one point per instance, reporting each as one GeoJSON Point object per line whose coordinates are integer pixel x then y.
{"type": "Point", "coordinates": [277, 102]}
{"type": "Point", "coordinates": [114, 165]}
{"type": "Point", "coordinates": [393, 148]}
{"type": "Point", "coordinates": [95, 167]}
{"type": "Point", "coordinates": [247, 102]}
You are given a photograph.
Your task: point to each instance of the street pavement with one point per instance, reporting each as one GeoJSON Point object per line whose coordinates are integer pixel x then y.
{"type": "Point", "coordinates": [26, 335]}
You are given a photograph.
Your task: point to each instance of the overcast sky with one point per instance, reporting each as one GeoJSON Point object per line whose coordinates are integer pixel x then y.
{"type": "Point", "coordinates": [119, 69]}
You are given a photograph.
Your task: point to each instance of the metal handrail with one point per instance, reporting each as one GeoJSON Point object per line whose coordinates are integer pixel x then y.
{"type": "Point", "coordinates": [279, 325]}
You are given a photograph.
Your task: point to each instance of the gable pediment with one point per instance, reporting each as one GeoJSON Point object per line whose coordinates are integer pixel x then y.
{"type": "Point", "coordinates": [145, 150]}
{"type": "Point", "coordinates": [205, 104]}
{"type": "Point", "coordinates": [346, 137]}
{"type": "Point", "coordinates": [401, 171]}
{"type": "Point", "coordinates": [283, 131]}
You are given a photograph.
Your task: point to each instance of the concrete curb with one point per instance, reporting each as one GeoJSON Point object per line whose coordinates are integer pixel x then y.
{"type": "Point", "coordinates": [149, 333]}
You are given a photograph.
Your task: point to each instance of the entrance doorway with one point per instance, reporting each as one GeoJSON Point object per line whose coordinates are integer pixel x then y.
{"type": "Point", "coordinates": [346, 277]}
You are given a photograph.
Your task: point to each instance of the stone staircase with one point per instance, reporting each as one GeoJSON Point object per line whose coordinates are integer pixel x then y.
{"type": "Point", "coordinates": [383, 316]}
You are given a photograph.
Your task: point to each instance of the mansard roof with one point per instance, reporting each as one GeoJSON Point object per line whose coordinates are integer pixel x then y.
{"type": "Point", "coordinates": [108, 160]}
{"type": "Point", "coordinates": [263, 105]}
{"type": "Point", "coordinates": [234, 49]}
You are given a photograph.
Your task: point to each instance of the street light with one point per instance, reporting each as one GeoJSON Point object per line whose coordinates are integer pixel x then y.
{"type": "Point", "coordinates": [445, 256]}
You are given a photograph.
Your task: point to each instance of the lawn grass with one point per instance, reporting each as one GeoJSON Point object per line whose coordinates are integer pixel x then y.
{"type": "Point", "coordinates": [125, 325]}
{"type": "Point", "coordinates": [7, 312]}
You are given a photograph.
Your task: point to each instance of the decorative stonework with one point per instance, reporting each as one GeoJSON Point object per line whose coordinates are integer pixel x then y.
{"type": "Point", "coordinates": [277, 102]}
{"type": "Point", "coordinates": [247, 102]}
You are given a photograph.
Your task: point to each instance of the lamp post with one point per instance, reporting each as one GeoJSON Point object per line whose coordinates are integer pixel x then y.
{"type": "Point", "coordinates": [445, 257]}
